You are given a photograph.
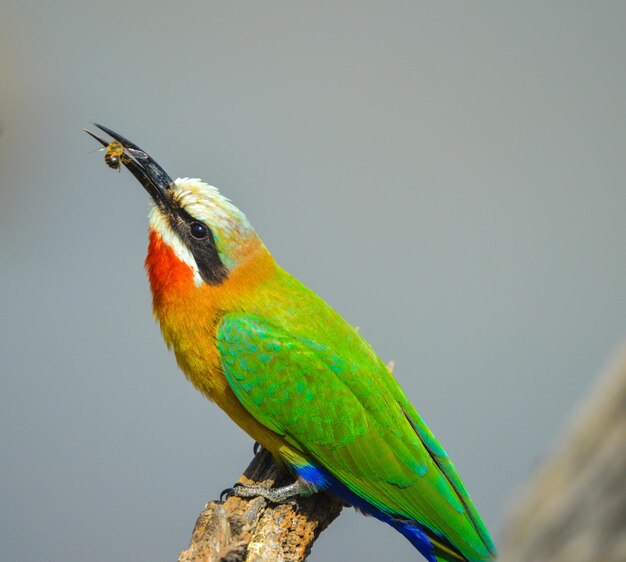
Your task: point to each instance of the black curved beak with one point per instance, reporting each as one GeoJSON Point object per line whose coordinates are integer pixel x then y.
{"type": "Point", "coordinates": [149, 174]}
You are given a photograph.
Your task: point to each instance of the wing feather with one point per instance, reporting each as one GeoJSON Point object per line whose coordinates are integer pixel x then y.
{"type": "Point", "coordinates": [352, 418]}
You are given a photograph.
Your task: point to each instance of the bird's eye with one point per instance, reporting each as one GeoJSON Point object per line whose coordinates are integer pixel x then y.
{"type": "Point", "coordinates": [198, 230]}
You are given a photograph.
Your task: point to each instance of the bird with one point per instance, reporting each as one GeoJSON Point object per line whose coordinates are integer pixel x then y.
{"type": "Point", "coordinates": [292, 373]}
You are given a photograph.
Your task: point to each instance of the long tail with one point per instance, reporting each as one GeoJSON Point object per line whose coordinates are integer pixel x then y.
{"type": "Point", "coordinates": [434, 549]}
{"type": "Point", "coordinates": [432, 546]}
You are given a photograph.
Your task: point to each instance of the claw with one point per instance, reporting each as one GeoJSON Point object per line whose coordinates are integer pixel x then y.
{"type": "Point", "coordinates": [256, 448]}
{"type": "Point", "coordinates": [284, 494]}
{"type": "Point", "coordinates": [227, 493]}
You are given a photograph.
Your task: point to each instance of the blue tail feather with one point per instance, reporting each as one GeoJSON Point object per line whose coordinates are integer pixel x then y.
{"type": "Point", "coordinates": [323, 480]}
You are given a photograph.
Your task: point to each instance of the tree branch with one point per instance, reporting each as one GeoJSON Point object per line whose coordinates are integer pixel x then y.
{"type": "Point", "coordinates": [574, 510]}
{"type": "Point", "coordinates": [255, 530]}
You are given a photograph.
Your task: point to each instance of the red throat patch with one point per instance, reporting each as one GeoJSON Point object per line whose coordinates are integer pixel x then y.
{"type": "Point", "coordinates": [167, 274]}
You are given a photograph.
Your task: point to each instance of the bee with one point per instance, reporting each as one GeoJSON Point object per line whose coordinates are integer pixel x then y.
{"type": "Point", "coordinates": [113, 155]}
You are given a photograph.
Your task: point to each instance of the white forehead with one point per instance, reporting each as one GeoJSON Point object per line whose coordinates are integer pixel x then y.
{"type": "Point", "coordinates": [204, 202]}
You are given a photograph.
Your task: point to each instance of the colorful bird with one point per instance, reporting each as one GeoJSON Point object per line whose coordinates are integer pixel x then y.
{"type": "Point", "coordinates": [292, 373]}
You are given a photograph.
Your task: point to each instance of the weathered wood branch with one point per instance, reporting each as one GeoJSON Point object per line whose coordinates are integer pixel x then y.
{"type": "Point", "coordinates": [255, 530]}
{"type": "Point", "coordinates": [575, 508]}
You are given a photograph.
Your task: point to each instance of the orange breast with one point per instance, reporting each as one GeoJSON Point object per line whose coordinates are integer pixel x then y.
{"type": "Point", "coordinates": [189, 316]}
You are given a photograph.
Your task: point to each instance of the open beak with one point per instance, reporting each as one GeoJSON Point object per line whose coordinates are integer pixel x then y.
{"type": "Point", "coordinates": [143, 167]}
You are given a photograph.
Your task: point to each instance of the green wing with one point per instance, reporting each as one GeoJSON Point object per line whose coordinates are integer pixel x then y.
{"type": "Point", "coordinates": [351, 417]}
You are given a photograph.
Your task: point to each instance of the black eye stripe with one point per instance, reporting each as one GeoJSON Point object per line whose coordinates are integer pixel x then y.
{"type": "Point", "coordinates": [198, 237]}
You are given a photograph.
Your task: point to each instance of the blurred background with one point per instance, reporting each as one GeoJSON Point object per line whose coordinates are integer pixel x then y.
{"type": "Point", "coordinates": [450, 177]}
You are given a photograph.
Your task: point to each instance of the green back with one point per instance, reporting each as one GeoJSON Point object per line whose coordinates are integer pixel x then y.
{"type": "Point", "coordinates": [306, 374]}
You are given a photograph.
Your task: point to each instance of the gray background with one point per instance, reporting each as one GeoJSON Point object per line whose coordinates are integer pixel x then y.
{"type": "Point", "coordinates": [449, 177]}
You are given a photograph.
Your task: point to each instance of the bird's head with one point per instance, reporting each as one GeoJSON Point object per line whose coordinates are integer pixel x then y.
{"type": "Point", "coordinates": [196, 234]}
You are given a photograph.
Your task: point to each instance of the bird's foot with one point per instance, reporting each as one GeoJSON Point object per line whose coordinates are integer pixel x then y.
{"type": "Point", "coordinates": [226, 493]}
{"type": "Point", "coordinates": [284, 494]}
{"type": "Point", "coordinates": [257, 448]}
